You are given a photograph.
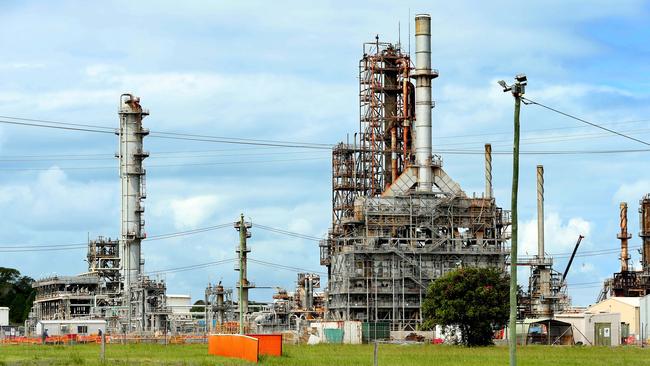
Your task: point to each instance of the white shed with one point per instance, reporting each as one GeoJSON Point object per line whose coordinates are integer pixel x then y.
{"type": "Point", "coordinates": [586, 326]}
{"type": "Point", "coordinates": [4, 316]}
{"type": "Point", "coordinates": [71, 326]}
{"type": "Point", "coordinates": [179, 304]}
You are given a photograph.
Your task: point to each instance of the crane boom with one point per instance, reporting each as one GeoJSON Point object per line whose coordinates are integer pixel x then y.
{"type": "Point", "coordinates": [566, 271]}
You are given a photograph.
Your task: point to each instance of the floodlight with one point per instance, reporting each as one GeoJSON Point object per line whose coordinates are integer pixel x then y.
{"type": "Point", "coordinates": [504, 85]}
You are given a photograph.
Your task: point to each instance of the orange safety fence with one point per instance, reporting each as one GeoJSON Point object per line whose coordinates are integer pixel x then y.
{"type": "Point", "coordinates": [234, 345]}
{"type": "Point", "coordinates": [269, 344]}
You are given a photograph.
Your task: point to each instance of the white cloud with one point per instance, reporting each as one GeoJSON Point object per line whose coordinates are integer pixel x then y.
{"type": "Point", "coordinates": [193, 211]}
{"type": "Point", "coordinates": [632, 192]}
{"type": "Point", "coordinates": [53, 201]}
{"type": "Point", "coordinates": [560, 235]}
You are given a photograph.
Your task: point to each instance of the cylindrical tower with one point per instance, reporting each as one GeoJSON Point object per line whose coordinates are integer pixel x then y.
{"type": "Point", "coordinates": [540, 211]}
{"type": "Point", "coordinates": [644, 225]}
{"type": "Point", "coordinates": [488, 171]}
{"type": "Point", "coordinates": [132, 176]}
{"type": "Point", "coordinates": [220, 304]}
{"type": "Point", "coordinates": [624, 236]}
{"type": "Point", "coordinates": [423, 103]}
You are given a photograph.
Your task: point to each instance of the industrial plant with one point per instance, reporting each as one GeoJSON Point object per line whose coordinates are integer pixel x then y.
{"type": "Point", "coordinates": [398, 223]}
{"type": "Point", "coordinates": [398, 220]}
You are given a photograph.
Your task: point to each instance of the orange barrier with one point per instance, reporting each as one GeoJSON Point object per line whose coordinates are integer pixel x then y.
{"type": "Point", "coordinates": [234, 345]}
{"type": "Point", "coordinates": [269, 344]}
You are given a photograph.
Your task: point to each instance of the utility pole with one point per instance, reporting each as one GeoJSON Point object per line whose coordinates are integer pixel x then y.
{"type": "Point", "coordinates": [242, 226]}
{"type": "Point", "coordinates": [517, 89]}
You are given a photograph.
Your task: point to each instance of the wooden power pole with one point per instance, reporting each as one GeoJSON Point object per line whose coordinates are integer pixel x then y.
{"type": "Point", "coordinates": [518, 90]}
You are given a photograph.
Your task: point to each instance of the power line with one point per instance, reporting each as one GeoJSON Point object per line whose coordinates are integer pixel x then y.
{"type": "Point", "coordinates": [585, 121]}
{"type": "Point", "coordinates": [287, 233]}
{"type": "Point", "coordinates": [173, 165]}
{"type": "Point", "coordinates": [539, 129]}
{"type": "Point", "coordinates": [191, 267]}
{"type": "Point", "coordinates": [56, 247]}
{"type": "Point", "coordinates": [55, 127]}
{"type": "Point", "coordinates": [163, 135]}
{"type": "Point", "coordinates": [281, 266]}
{"type": "Point", "coordinates": [57, 122]}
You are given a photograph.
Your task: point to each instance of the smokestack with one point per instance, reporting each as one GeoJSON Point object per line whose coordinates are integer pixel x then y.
{"type": "Point", "coordinates": [540, 211]}
{"type": "Point", "coordinates": [644, 224]}
{"type": "Point", "coordinates": [488, 171]}
{"type": "Point", "coordinates": [624, 236]}
{"type": "Point", "coordinates": [132, 176]}
{"type": "Point", "coordinates": [423, 104]}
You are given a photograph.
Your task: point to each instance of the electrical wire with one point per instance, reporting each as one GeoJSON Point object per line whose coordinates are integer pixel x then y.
{"type": "Point", "coordinates": [191, 267]}
{"type": "Point", "coordinates": [174, 165]}
{"type": "Point", "coordinates": [166, 135]}
{"type": "Point", "coordinates": [288, 233]}
{"type": "Point", "coordinates": [281, 266]}
{"type": "Point", "coordinates": [584, 121]}
{"type": "Point", "coordinates": [56, 247]}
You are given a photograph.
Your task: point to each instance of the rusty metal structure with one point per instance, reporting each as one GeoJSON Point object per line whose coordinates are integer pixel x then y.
{"type": "Point", "coordinates": [629, 282]}
{"type": "Point", "coordinates": [398, 220]}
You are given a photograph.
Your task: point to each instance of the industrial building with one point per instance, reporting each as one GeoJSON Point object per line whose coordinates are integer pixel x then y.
{"type": "Point", "coordinates": [398, 220]}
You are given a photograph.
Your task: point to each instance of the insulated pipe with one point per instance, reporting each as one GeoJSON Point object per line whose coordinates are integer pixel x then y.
{"type": "Point", "coordinates": [624, 236]}
{"type": "Point", "coordinates": [393, 156]}
{"type": "Point", "coordinates": [405, 109]}
{"type": "Point", "coordinates": [488, 171]}
{"type": "Point", "coordinates": [423, 104]}
{"type": "Point", "coordinates": [540, 211]}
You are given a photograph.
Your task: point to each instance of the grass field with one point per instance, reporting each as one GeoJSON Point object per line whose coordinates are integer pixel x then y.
{"type": "Point", "coordinates": [337, 355]}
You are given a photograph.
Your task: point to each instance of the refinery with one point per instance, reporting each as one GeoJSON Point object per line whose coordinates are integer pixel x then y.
{"type": "Point", "coordinates": [399, 221]}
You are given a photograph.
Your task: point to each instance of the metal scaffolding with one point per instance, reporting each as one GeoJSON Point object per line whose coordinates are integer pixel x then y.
{"type": "Point", "coordinates": [398, 220]}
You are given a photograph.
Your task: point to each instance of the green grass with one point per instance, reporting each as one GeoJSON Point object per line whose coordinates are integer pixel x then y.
{"type": "Point", "coordinates": [337, 355]}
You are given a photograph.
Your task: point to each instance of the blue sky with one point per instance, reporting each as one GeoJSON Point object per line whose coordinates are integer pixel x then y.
{"type": "Point", "coordinates": [288, 71]}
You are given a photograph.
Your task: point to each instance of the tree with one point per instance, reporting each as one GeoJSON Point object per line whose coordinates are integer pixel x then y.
{"type": "Point", "coordinates": [198, 309]}
{"type": "Point", "coordinates": [473, 300]}
{"type": "Point", "coordinates": [17, 293]}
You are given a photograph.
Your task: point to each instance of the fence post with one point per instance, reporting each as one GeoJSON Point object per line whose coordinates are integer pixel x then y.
{"type": "Point", "coordinates": [103, 347]}
{"type": "Point", "coordinates": [375, 358]}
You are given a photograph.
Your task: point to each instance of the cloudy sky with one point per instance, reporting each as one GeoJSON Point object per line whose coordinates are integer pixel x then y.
{"type": "Point", "coordinates": [288, 71]}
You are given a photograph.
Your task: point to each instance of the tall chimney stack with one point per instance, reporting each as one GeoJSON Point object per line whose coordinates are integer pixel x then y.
{"type": "Point", "coordinates": [540, 211]}
{"type": "Point", "coordinates": [488, 171]}
{"type": "Point", "coordinates": [423, 103]}
{"type": "Point", "coordinates": [624, 236]}
{"type": "Point", "coordinates": [644, 225]}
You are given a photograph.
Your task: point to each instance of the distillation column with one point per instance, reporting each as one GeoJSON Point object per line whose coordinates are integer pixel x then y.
{"type": "Point", "coordinates": [132, 175]}
{"type": "Point", "coordinates": [624, 236]}
{"type": "Point", "coordinates": [423, 103]}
